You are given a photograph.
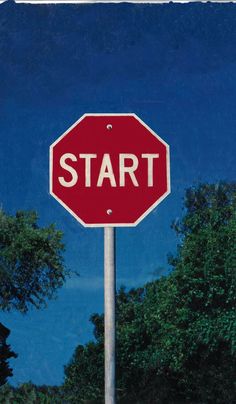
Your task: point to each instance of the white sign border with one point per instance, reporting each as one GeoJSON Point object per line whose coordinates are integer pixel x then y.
{"type": "Point", "coordinates": [110, 224]}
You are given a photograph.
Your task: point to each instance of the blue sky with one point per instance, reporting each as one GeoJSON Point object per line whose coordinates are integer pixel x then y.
{"type": "Point", "coordinates": [175, 67]}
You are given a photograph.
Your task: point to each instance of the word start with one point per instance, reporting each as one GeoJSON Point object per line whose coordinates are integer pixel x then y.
{"type": "Point", "coordinates": [106, 169]}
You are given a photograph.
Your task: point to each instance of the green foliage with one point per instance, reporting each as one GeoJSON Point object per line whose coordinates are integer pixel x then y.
{"type": "Point", "coordinates": [28, 393]}
{"type": "Point", "coordinates": [31, 264]}
{"type": "Point", "coordinates": [176, 336]}
{"type": "Point", "coordinates": [84, 374]}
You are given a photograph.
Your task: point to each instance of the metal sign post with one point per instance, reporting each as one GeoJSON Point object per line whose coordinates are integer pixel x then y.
{"type": "Point", "coordinates": [109, 318]}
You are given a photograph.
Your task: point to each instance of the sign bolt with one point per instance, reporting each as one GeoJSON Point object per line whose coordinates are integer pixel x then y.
{"type": "Point", "coordinates": [109, 126]}
{"type": "Point", "coordinates": [109, 211]}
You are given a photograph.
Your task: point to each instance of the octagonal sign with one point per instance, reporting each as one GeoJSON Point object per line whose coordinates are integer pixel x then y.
{"type": "Point", "coordinates": [109, 170]}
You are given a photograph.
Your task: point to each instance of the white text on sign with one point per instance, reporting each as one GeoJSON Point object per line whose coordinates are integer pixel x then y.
{"type": "Point", "coordinates": [106, 169]}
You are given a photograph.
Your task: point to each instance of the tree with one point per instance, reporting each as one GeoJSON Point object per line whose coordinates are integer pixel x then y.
{"type": "Point", "coordinates": [5, 355]}
{"type": "Point", "coordinates": [176, 336]}
{"type": "Point", "coordinates": [203, 295]}
{"type": "Point", "coordinates": [31, 263]}
{"type": "Point", "coordinates": [31, 269]}
{"type": "Point", "coordinates": [28, 393]}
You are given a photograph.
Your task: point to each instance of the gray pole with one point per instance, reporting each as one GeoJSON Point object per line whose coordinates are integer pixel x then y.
{"type": "Point", "coordinates": [109, 303]}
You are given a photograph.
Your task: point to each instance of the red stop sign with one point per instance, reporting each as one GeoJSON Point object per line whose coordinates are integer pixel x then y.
{"type": "Point", "coordinates": [109, 170]}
